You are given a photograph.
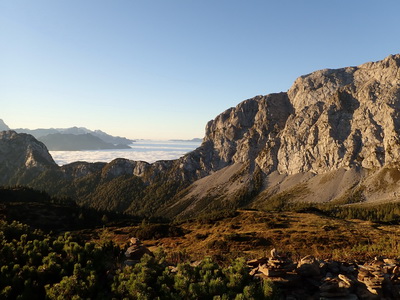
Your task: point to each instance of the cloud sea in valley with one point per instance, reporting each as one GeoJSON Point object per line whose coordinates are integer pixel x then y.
{"type": "Point", "coordinates": [142, 150]}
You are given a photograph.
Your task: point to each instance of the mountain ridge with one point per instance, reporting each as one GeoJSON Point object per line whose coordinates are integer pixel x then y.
{"type": "Point", "coordinates": [74, 138]}
{"type": "Point", "coordinates": [41, 132]}
{"type": "Point", "coordinates": [77, 142]}
{"type": "Point", "coordinates": [334, 136]}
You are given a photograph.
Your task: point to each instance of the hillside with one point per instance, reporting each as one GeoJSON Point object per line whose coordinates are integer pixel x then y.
{"type": "Point", "coordinates": [333, 137]}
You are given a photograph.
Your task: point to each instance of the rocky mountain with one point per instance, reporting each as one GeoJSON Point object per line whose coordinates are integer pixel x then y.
{"type": "Point", "coordinates": [334, 136]}
{"type": "Point", "coordinates": [69, 142]}
{"type": "Point", "coordinates": [22, 158]}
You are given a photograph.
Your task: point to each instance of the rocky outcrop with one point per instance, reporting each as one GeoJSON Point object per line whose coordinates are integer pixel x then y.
{"type": "Point", "coordinates": [343, 118]}
{"type": "Point", "coordinates": [22, 158]}
{"type": "Point", "coordinates": [327, 120]}
{"type": "Point", "coordinates": [135, 252]}
{"type": "Point", "coordinates": [311, 278]}
{"type": "Point", "coordinates": [240, 134]}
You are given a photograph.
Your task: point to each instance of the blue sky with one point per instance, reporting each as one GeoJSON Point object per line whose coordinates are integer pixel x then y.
{"type": "Point", "coordinates": [163, 69]}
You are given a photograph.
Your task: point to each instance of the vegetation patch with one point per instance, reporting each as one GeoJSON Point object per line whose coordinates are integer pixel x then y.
{"type": "Point", "coordinates": [148, 231]}
{"type": "Point", "coordinates": [284, 200]}
{"type": "Point", "coordinates": [351, 197]}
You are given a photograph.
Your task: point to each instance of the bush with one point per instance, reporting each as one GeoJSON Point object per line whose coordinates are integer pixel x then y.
{"type": "Point", "coordinates": [157, 231]}
{"type": "Point", "coordinates": [151, 280]}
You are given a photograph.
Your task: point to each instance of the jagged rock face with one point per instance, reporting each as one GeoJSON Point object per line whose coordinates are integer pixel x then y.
{"type": "Point", "coordinates": [343, 118]}
{"type": "Point", "coordinates": [21, 153]}
{"type": "Point", "coordinates": [26, 149]}
{"type": "Point", "coordinates": [327, 120]}
{"type": "Point", "coordinates": [241, 133]}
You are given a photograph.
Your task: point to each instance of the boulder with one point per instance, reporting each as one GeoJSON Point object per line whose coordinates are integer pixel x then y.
{"type": "Point", "coordinates": [308, 266]}
{"type": "Point", "coordinates": [136, 250]}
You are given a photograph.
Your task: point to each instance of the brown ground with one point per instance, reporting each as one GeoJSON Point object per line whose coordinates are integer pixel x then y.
{"type": "Point", "coordinates": [253, 234]}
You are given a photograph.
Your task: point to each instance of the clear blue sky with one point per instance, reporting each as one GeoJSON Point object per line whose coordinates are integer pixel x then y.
{"type": "Point", "coordinates": [163, 69]}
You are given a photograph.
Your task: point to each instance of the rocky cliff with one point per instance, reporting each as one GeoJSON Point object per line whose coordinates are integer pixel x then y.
{"type": "Point", "coordinates": [22, 157]}
{"type": "Point", "coordinates": [327, 120]}
{"type": "Point", "coordinates": [334, 134]}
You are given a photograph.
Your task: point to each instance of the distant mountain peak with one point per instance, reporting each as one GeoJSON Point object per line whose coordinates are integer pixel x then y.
{"type": "Point", "coordinates": [106, 138]}
{"type": "Point", "coordinates": [3, 126]}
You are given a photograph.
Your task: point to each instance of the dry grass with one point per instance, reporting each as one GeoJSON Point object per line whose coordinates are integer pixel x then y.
{"type": "Point", "coordinates": [253, 234]}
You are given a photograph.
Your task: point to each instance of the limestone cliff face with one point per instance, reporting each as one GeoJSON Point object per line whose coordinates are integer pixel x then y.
{"type": "Point", "coordinates": [246, 133]}
{"type": "Point", "coordinates": [343, 118]}
{"type": "Point", "coordinates": [241, 133]}
{"type": "Point", "coordinates": [327, 120]}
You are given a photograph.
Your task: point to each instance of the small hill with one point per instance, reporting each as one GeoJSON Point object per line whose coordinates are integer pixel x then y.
{"type": "Point", "coordinates": [76, 142]}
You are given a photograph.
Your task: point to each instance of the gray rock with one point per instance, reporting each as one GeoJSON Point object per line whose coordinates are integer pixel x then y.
{"type": "Point", "coordinates": [308, 266]}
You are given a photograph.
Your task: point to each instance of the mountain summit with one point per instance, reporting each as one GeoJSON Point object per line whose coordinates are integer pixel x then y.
{"type": "Point", "coordinates": [334, 136]}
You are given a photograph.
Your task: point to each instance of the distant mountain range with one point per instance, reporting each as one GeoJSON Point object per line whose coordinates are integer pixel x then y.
{"type": "Point", "coordinates": [196, 140]}
{"type": "Point", "coordinates": [38, 133]}
{"type": "Point", "coordinates": [69, 142]}
{"type": "Point", "coordinates": [74, 138]}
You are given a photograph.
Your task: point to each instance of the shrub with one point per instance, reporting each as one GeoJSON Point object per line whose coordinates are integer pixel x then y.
{"type": "Point", "coordinates": [157, 231]}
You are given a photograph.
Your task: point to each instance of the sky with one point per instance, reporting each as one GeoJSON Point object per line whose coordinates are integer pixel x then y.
{"type": "Point", "coordinates": [161, 69]}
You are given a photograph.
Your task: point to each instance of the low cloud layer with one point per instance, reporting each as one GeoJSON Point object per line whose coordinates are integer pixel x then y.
{"type": "Point", "coordinates": [149, 152]}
